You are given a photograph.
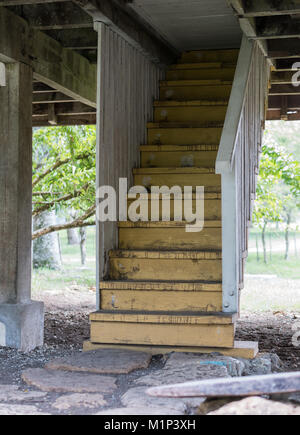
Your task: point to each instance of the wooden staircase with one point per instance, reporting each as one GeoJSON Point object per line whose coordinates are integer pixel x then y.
{"type": "Point", "coordinates": [164, 289]}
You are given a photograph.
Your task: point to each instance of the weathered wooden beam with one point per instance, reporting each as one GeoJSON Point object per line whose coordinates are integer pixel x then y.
{"type": "Point", "coordinates": [66, 109]}
{"type": "Point", "coordinates": [61, 15]}
{"type": "Point", "coordinates": [284, 48]}
{"type": "Point", "coordinates": [262, 8]}
{"type": "Point", "coordinates": [277, 27]}
{"type": "Point", "coordinates": [87, 119]}
{"type": "Point", "coordinates": [78, 39]}
{"type": "Point", "coordinates": [233, 387]}
{"type": "Point", "coordinates": [63, 69]}
{"type": "Point", "coordinates": [51, 97]}
{"type": "Point", "coordinates": [27, 2]}
{"type": "Point", "coordinates": [293, 102]}
{"type": "Point", "coordinates": [122, 19]}
{"type": "Point", "coordinates": [284, 90]}
{"type": "Point", "coordinates": [57, 67]}
{"type": "Point", "coordinates": [2, 74]}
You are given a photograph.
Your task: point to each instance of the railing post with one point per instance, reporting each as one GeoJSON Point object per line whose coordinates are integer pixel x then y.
{"type": "Point", "coordinates": [230, 267]}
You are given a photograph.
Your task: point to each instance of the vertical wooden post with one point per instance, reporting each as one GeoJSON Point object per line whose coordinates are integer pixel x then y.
{"type": "Point", "coordinates": [22, 318]}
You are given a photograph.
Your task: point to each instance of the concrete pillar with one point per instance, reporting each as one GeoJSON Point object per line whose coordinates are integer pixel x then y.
{"type": "Point", "coordinates": [21, 319]}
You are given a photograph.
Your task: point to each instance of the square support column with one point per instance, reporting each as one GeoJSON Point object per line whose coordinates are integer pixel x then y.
{"type": "Point", "coordinates": [21, 319]}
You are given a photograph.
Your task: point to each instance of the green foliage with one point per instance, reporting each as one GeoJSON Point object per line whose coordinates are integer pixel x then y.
{"type": "Point", "coordinates": [278, 184]}
{"type": "Point", "coordinates": [64, 168]}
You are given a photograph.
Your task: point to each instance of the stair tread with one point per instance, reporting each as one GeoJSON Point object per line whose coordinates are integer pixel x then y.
{"type": "Point", "coordinates": [169, 224]}
{"type": "Point", "coordinates": [181, 317]}
{"type": "Point", "coordinates": [183, 125]}
{"type": "Point", "coordinates": [179, 147]}
{"type": "Point", "coordinates": [214, 82]}
{"type": "Point", "coordinates": [184, 103]}
{"type": "Point", "coordinates": [161, 285]}
{"type": "Point", "coordinates": [181, 170]}
{"type": "Point", "coordinates": [176, 255]}
{"type": "Point", "coordinates": [202, 66]}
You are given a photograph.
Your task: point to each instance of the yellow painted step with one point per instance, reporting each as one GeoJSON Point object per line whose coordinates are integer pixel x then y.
{"type": "Point", "coordinates": [191, 90]}
{"type": "Point", "coordinates": [212, 207]}
{"type": "Point", "coordinates": [177, 177]}
{"type": "Point", "coordinates": [200, 73]}
{"type": "Point", "coordinates": [164, 112]}
{"type": "Point", "coordinates": [241, 349]}
{"type": "Point", "coordinates": [154, 156]}
{"type": "Point", "coordinates": [168, 236]}
{"type": "Point", "coordinates": [172, 329]}
{"type": "Point", "coordinates": [198, 56]}
{"type": "Point", "coordinates": [161, 296]}
{"type": "Point", "coordinates": [166, 265]}
{"type": "Point", "coordinates": [183, 136]}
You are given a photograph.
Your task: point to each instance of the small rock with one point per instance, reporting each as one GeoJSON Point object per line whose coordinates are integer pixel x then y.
{"type": "Point", "coordinates": [19, 410]}
{"type": "Point", "coordinates": [294, 398]}
{"type": "Point", "coordinates": [11, 393]}
{"type": "Point", "coordinates": [79, 400]}
{"type": "Point", "coordinates": [257, 406]}
{"type": "Point", "coordinates": [68, 382]}
{"type": "Point", "coordinates": [105, 361]}
{"type": "Point", "coordinates": [264, 364]}
{"type": "Point", "coordinates": [210, 405]}
{"type": "Point", "coordinates": [139, 411]}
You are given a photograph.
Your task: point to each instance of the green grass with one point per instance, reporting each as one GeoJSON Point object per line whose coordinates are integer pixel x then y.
{"type": "Point", "coordinates": [275, 266]}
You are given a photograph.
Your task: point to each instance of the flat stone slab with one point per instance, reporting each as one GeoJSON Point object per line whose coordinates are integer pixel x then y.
{"type": "Point", "coordinates": [19, 410]}
{"type": "Point", "coordinates": [78, 400]}
{"type": "Point", "coordinates": [182, 367]}
{"type": "Point", "coordinates": [11, 393]}
{"type": "Point", "coordinates": [257, 406]}
{"type": "Point", "coordinates": [68, 382]}
{"type": "Point", "coordinates": [139, 411]}
{"type": "Point", "coordinates": [103, 361]}
{"type": "Point", "coordinates": [138, 398]}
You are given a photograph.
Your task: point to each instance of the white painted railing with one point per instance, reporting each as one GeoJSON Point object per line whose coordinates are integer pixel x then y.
{"type": "Point", "coordinates": [238, 162]}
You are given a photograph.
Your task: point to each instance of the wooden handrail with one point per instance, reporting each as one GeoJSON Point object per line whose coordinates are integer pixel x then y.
{"type": "Point", "coordinates": [236, 103]}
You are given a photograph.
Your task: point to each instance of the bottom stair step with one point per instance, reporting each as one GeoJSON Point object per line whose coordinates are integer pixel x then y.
{"type": "Point", "coordinates": [163, 329]}
{"type": "Point", "coordinates": [241, 349]}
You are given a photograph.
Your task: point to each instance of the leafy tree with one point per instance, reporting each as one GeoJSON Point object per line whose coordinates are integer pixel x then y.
{"type": "Point", "coordinates": [64, 161]}
{"type": "Point", "coordinates": [278, 189]}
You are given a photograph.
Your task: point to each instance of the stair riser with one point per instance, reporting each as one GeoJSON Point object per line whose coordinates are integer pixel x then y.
{"type": "Point", "coordinates": [161, 300]}
{"type": "Point", "coordinates": [212, 210]}
{"type": "Point", "coordinates": [169, 239]}
{"type": "Point", "coordinates": [226, 74]}
{"type": "Point", "coordinates": [163, 334]}
{"type": "Point", "coordinates": [181, 180]}
{"type": "Point", "coordinates": [227, 56]}
{"type": "Point", "coordinates": [190, 113]}
{"type": "Point", "coordinates": [165, 269]}
{"type": "Point", "coordinates": [178, 159]}
{"type": "Point", "coordinates": [184, 136]}
{"type": "Point", "coordinates": [182, 93]}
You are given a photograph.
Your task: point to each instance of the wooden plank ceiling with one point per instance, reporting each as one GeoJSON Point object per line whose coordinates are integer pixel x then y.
{"type": "Point", "coordinates": [276, 25]}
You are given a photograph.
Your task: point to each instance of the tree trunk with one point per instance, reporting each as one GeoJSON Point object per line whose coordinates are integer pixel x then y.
{"type": "Point", "coordinates": [295, 242]}
{"type": "Point", "coordinates": [257, 251]}
{"type": "Point", "coordinates": [82, 233]}
{"type": "Point", "coordinates": [73, 237]}
{"type": "Point", "coordinates": [46, 249]}
{"type": "Point", "coordinates": [287, 237]}
{"type": "Point", "coordinates": [263, 237]}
